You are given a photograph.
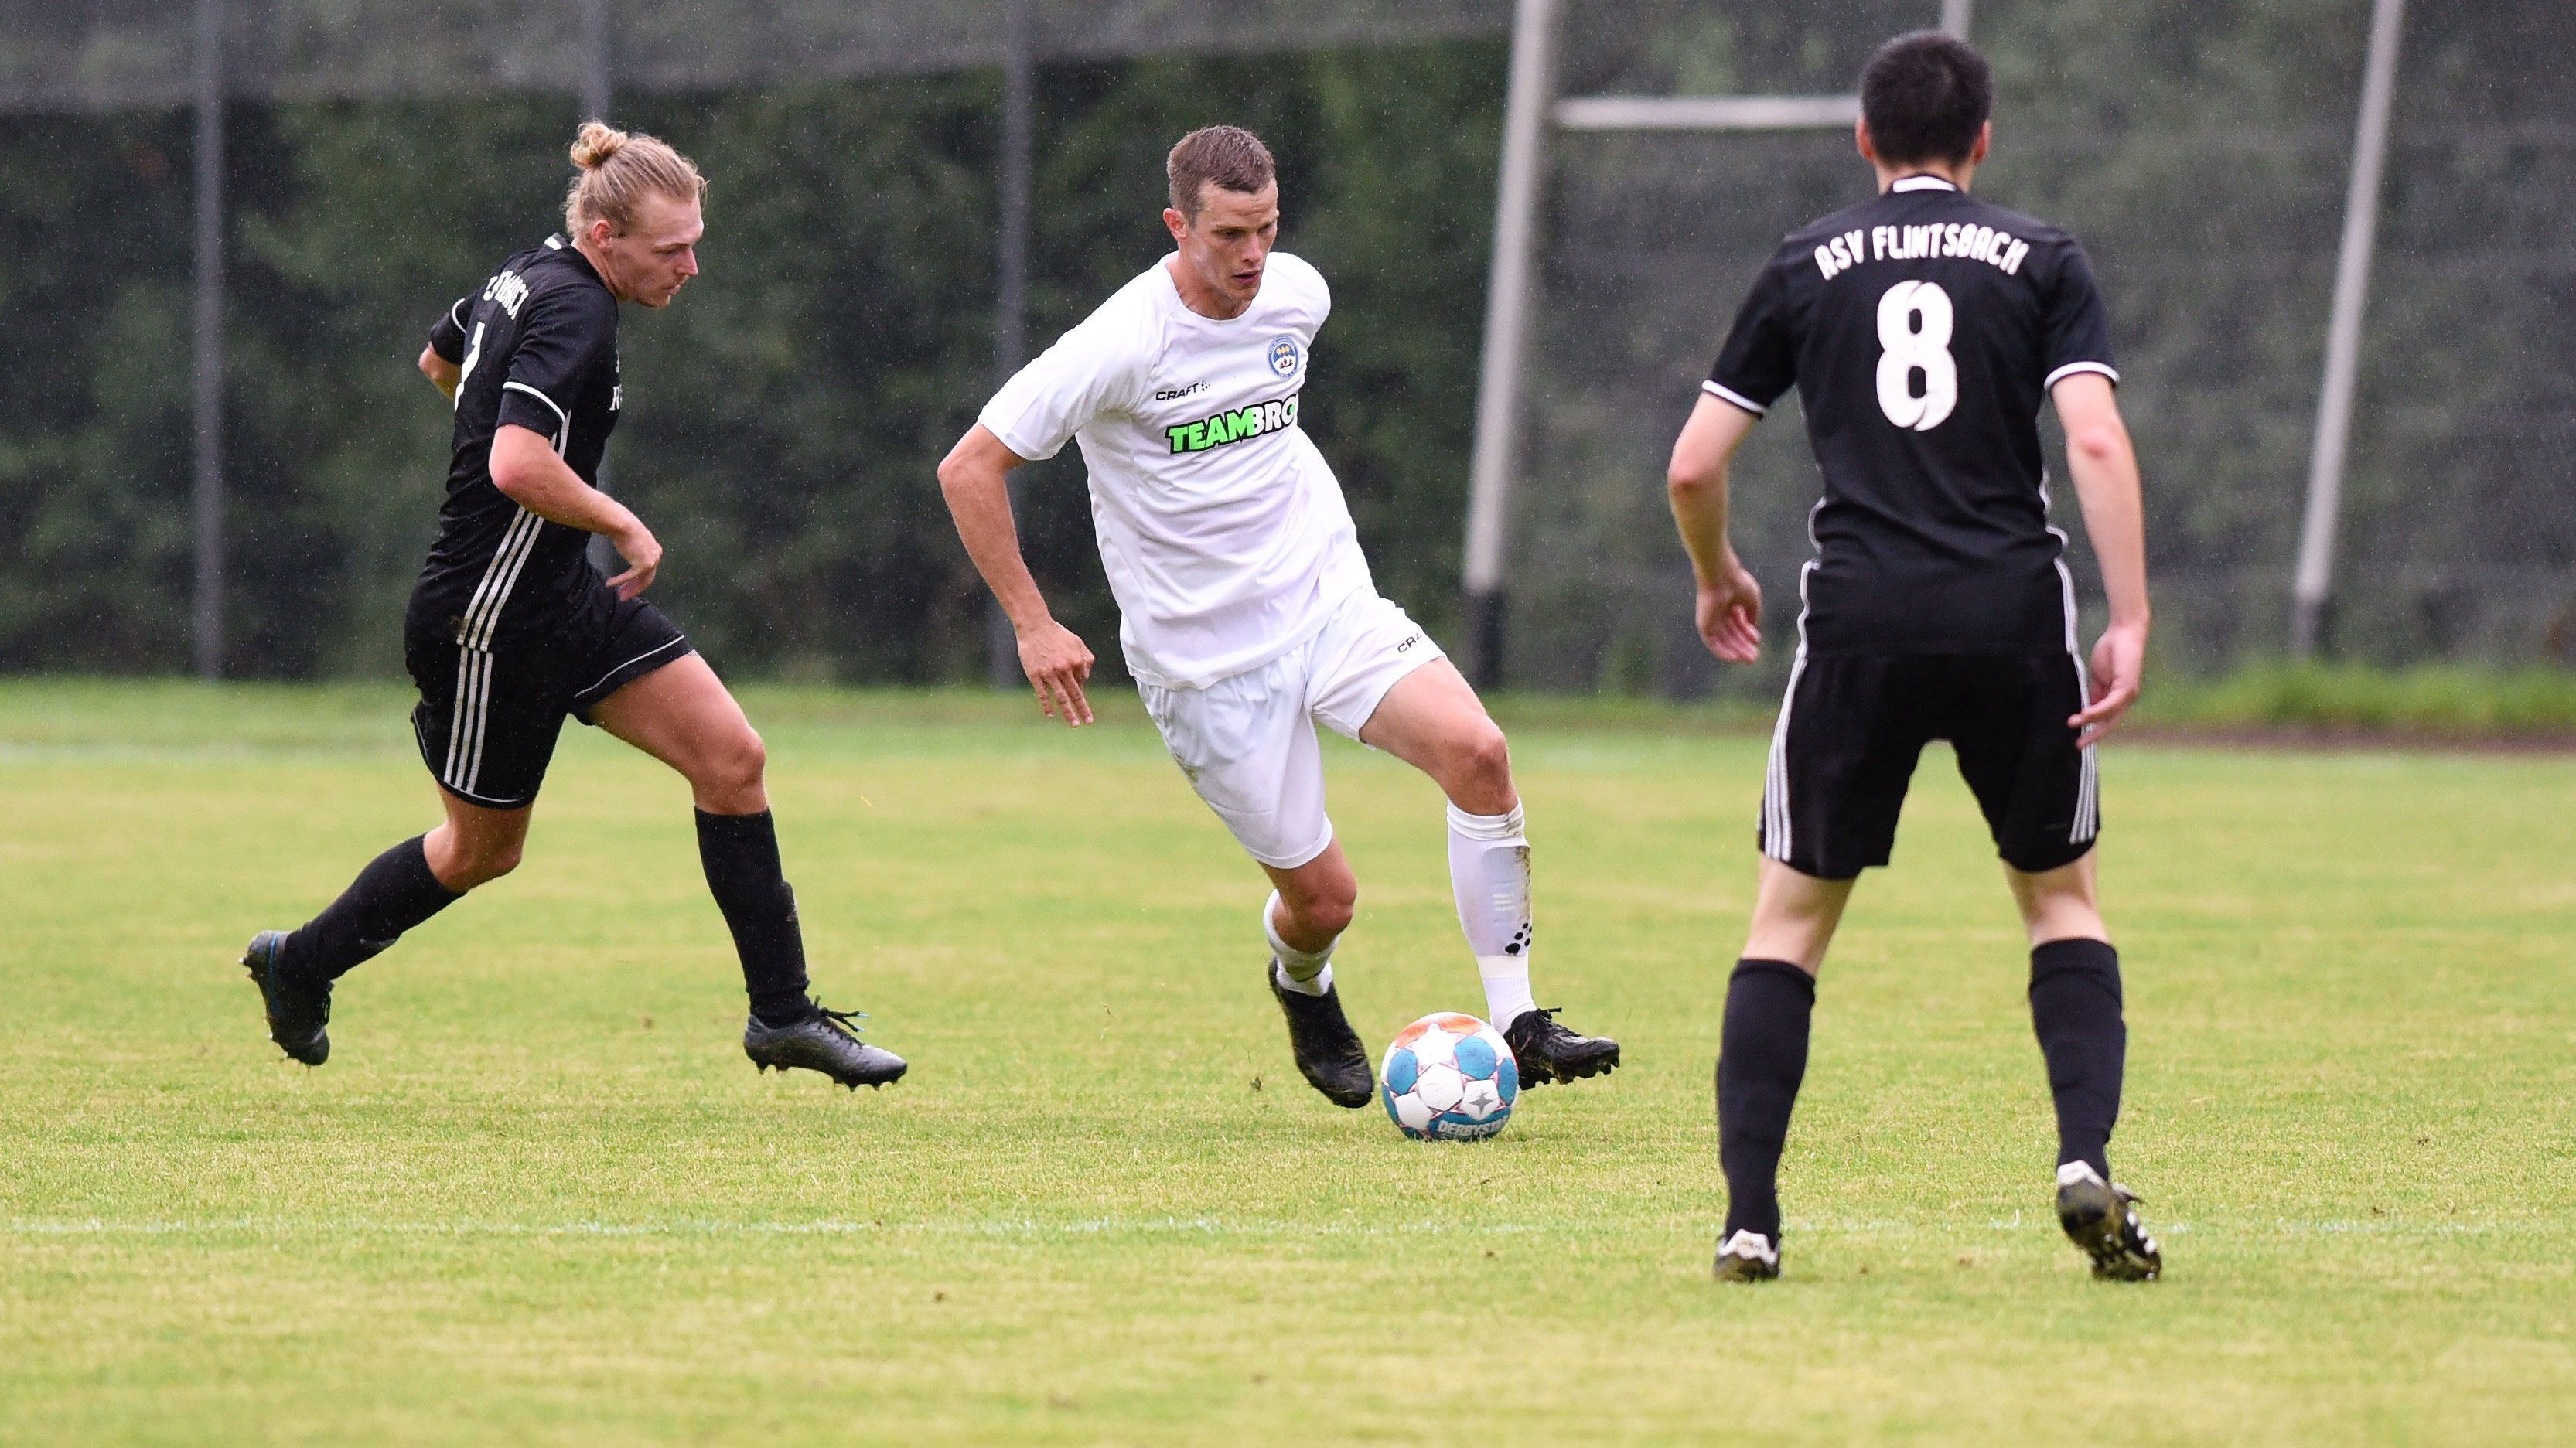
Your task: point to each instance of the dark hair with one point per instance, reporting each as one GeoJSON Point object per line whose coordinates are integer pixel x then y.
{"type": "Point", "coordinates": [1925, 96]}
{"type": "Point", "coordinates": [1230, 156]}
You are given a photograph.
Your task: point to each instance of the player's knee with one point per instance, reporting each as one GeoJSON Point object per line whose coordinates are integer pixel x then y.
{"type": "Point", "coordinates": [1331, 915]}
{"type": "Point", "coordinates": [735, 766]}
{"type": "Point", "coordinates": [1482, 766]}
{"type": "Point", "coordinates": [487, 861]}
{"type": "Point", "coordinates": [1326, 908]}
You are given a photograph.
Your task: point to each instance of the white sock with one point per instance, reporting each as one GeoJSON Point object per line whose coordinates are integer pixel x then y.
{"type": "Point", "coordinates": [1307, 972]}
{"type": "Point", "coordinates": [1489, 873]}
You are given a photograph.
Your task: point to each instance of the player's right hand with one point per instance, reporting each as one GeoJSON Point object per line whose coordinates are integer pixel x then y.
{"type": "Point", "coordinates": [1057, 664]}
{"type": "Point", "coordinates": [643, 555]}
{"type": "Point", "coordinates": [1730, 615]}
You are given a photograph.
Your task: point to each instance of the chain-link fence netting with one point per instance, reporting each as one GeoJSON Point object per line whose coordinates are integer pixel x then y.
{"type": "Point", "coordinates": [108, 54]}
{"type": "Point", "coordinates": [2201, 150]}
{"type": "Point", "coordinates": [382, 155]}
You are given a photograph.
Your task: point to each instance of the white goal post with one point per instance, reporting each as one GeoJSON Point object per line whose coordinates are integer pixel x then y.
{"type": "Point", "coordinates": [1532, 109]}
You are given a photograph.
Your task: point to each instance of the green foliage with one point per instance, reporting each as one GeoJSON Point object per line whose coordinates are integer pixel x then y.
{"type": "Point", "coordinates": [784, 418]}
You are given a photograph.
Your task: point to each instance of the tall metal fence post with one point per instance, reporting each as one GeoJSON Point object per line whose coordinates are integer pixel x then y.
{"type": "Point", "coordinates": [1955, 15]}
{"type": "Point", "coordinates": [207, 489]}
{"type": "Point", "coordinates": [598, 92]}
{"type": "Point", "coordinates": [1011, 266]}
{"type": "Point", "coordinates": [1498, 391]}
{"type": "Point", "coordinates": [2313, 589]}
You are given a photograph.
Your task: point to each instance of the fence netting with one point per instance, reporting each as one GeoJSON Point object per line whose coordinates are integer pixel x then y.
{"type": "Point", "coordinates": [107, 54]}
{"type": "Point", "coordinates": [383, 152]}
{"type": "Point", "coordinates": [2201, 150]}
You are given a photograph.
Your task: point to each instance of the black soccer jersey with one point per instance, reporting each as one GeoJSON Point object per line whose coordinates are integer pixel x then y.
{"type": "Point", "coordinates": [538, 345]}
{"type": "Point", "coordinates": [1923, 329]}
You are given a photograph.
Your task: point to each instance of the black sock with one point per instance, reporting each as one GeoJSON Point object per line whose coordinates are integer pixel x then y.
{"type": "Point", "coordinates": [394, 893]}
{"type": "Point", "coordinates": [1760, 1062]}
{"type": "Point", "coordinates": [740, 853]}
{"type": "Point", "coordinates": [2075, 1009]}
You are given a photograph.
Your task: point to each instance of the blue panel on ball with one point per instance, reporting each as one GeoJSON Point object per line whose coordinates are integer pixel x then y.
{"type": "Point", "coordinates": [1401, 1071]}
{"type": "Point", "coordinates": [1507, 1079]}
{"type": "Point", "coordinates": [1476, 1059]}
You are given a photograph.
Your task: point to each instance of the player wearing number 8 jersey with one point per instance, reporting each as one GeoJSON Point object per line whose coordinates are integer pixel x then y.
{"type": "Point", "coordinates": [1923, 330]}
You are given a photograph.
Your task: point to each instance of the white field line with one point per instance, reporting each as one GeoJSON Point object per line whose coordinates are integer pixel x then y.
{"type": "Point", "coordinates": [1209, 1227]}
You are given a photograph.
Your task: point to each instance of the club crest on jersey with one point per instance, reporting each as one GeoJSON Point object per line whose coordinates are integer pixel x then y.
{"type": "Point", "coordinates": [1259, 420]}
{"type": "Point", "coordinates": [1283, 356]}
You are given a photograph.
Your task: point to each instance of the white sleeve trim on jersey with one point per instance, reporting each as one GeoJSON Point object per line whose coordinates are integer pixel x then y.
{"type": "Point", "coordinates": [1727, 394]}
{"type": "Point", "coordinates": [2071, 368]}
{"type": "Point", "coordinates": [456, 314]}
{"type": "Point", "coordinates": [563, 422]}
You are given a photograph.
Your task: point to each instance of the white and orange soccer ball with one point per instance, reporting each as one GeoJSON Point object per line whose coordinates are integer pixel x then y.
{"type": "Point", "coordinates": [1449, 1077]}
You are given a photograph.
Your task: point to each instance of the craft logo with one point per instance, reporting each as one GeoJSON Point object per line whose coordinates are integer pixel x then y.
{"type": "Point", "coordinates": [1259, 420]}
{"type": "Point", "coordinates": [1283, 356]}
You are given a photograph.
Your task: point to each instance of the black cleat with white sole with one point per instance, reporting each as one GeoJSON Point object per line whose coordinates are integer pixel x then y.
{"type": "Point", "coordinates": [1549, 1052]}
{"type": "Point", "coordinates": [2102, 1218]}
{"type": "Point", "coordinates": [297, 1012]}
{"type": "Point", "coordinates": [825, 1041]}
{"type": "Point", "coordinates": [1328, 1051]}
{"type": "Point", "coordinates": [1748, 1257]}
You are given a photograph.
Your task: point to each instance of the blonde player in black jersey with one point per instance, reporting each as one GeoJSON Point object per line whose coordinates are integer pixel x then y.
{"type": "Point", "coordinates": [510, 630]}
{"type": "Point", "coordinates": [1923, 330]}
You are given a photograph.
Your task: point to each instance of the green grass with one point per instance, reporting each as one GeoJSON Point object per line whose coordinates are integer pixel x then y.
{"type": "Point", "coordinates": [538, 1196]}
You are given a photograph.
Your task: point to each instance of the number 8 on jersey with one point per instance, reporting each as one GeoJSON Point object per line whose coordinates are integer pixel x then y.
{"type": "Point", "coordinates": [1909, 346]}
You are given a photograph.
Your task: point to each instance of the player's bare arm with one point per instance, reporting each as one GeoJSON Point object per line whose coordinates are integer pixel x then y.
{"type": "Point", "coordinates": [2105, 465]}
{"type": "Point", "coordinates": [975, 479]}
{"type": "Point", "coordinates": [529, 472]}
{"type": "Point", "coordinates": [1730, 602]}
{"type": "Point", "coordinates": [442, 374]}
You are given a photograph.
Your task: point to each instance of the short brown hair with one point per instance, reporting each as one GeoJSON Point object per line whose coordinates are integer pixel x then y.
{"type": "Point", "coordinates": [1230, 156]}
{"type": "Point", "coordinates": [614, 170]}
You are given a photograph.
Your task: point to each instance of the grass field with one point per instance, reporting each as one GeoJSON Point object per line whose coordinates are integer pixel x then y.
{"type": "Point", "coordinates": [539, 1197]}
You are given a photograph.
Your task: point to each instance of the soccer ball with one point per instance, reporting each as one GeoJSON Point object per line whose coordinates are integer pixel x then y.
{"type": "Point", "coordinates": [1449, 1077]}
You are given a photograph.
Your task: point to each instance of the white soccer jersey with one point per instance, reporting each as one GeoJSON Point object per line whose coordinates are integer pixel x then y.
{"type": "Point", "coordinates": [1222, 529]}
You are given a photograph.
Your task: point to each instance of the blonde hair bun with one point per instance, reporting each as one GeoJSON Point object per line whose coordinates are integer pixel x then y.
{"type": "Point", "coordinates": [617, 170]}
{"type": "Point", "coordinates": [597, 142]}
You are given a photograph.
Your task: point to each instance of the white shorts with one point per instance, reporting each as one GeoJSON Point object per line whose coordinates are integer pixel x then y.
{"type": "Point", "coordinates": [1248, 743]}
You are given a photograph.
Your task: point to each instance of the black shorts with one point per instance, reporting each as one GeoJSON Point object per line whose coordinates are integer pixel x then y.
{"type": "Point", "coordinates": [488, 717]}
{"type": "Point", "coordinates": [1852, 727]}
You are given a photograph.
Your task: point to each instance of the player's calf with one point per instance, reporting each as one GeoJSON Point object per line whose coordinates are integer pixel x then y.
{"type": "Point", "coordinates": [295, 970]}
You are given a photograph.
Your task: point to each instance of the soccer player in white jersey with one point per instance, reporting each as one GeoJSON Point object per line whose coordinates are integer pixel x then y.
{"type": "Point", "coordinates": [1247, 610]}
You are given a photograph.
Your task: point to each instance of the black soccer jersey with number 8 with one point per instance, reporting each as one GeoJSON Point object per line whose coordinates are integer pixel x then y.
{"type": "Point", "coordinates": [538, 347]}
{"type": "Point", "coordinates": [1923, 329]}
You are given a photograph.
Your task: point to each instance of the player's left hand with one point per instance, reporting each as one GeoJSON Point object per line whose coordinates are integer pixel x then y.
{"type": "Point", "coordinates": [2119, 661]}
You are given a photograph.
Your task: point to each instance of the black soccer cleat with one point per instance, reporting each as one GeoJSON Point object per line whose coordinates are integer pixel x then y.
{"type": "Point", "coordinates": [2102, 1218]}
{"type": "Point", "coordinates": [1548, 1052]}
{"type": "Point", "coordinates": [824, 1041]}
{"type": "Point", "coordinates": [297, 1012]}
{"type": "Point", "coordinates": [1328, 1051]}
{"type": "Point", "coordinates": [1747, 1257]}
